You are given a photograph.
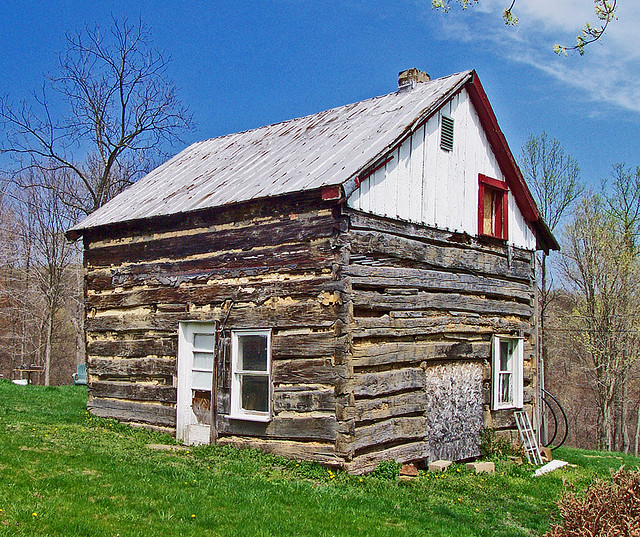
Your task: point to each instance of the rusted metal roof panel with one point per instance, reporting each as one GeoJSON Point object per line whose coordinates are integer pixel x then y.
{"type": "Point", "coordinates": [307, 153]}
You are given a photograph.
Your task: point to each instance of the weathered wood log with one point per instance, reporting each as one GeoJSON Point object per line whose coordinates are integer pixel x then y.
{"type": "Point", "coordinates": [365, 277]}
{"type": "Point", "coordinates": [134, 348]}
{"type": "Point", "coordinates": [134, 391]}
{"type": "Point", "coordinates": [299, 427]}
{"type": "Point", "coordinates": [374, 301]}
{"type": "Point", "coordinates": [390, 406]}
{"type": "Point", "coordinates": [254, 292]}
{"type": "Point", "coordinates": [132, 367]}
{"type": "Point", "coordinates": [288, 259]}
{"type": "Point", "coordinates": [386, 382]}
{"type": "Point", "coordinates": [414, 451]}
{"type": "Point", "coordinates": [455, 325]}
{"type": "Point", "coordinates": [310, 451]}
{"type": "Point", "coordinates": [154, 414]}
{"type": "Point", "coordinates": [303, 398]}
{"type": "Point", "coordinates": [452, 259]}
{"type": "Point", "coordinates": [251, 234]}
{"type": "Point", "coordinates": [278, 314]}
{"type": "Point", "coordinates": [374, 354]}
{"type": "Point", "coordinates": [303, 345]}
{"type": "Point", "coordinates": [368, 222]}
{"type": "Point", "coordinates": [288, 206]}
{"type": "Point", "coordinates": [390, 430]}
{"type": "Point", "coordinates": [308, 371]}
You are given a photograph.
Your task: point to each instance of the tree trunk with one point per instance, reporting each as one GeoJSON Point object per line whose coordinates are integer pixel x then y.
{"type": "Point", "coordinates": [47, 349]}
{"type": "Point", "coordinates": [638, 430]}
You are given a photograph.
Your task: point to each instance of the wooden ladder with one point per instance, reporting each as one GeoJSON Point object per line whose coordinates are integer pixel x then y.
{"type": "Point", "coordinates": [528, 438]}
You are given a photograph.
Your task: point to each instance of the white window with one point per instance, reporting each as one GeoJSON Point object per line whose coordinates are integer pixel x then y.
{"type": "Point", "coordinates": [507, 366]}
{"type": "Point", "coordinates": [251, 375]}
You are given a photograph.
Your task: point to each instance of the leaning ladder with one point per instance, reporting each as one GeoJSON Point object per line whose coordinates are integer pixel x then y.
{"type": "Point", "coordinates": [529, 442]}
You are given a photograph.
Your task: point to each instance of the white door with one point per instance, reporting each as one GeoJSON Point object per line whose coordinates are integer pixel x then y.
{"type": "Point", "coordinates": [196, 347]}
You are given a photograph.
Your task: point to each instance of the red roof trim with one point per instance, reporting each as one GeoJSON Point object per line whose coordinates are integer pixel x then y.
{"type": "Point", "coordinates": [508, 165]}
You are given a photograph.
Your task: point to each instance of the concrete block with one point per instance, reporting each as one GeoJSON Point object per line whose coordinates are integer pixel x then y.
{"type": "Point", "coordinates": [440, 465]}
{"type": "Point", "coordinates": [480, 467]}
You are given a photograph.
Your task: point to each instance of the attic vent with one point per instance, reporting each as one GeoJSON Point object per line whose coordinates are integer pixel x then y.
{"type": "Point", "coordinates": [446, 133]}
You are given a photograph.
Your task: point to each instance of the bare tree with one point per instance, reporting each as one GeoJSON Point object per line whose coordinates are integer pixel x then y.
{"type": "Point", "coordinates": [554, 179]}
{"type": "Point", "coordinates": [121, 111]}
{"type": "Point", "coordinates": [604, 276]}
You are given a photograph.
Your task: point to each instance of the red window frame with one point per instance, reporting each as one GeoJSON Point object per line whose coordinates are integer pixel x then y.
{"type": "Point", "coordinates": [499, 207]}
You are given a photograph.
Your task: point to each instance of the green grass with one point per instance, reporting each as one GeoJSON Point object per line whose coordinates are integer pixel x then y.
{"type": "Point", "coordinates": [64, 472]}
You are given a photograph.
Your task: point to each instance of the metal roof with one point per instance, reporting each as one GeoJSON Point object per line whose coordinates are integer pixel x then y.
{"type": "Point", "coordinates": [307, 153]}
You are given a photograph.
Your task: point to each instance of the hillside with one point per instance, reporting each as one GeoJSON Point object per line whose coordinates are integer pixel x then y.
{"type": "Point", "coordinates": [64, 472]}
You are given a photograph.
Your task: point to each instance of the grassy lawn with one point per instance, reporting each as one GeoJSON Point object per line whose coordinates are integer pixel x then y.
{"type": "Point", "coordinates": [63, 472]}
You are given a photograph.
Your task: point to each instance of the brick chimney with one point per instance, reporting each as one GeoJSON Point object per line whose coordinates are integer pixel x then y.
{"type": "Point", "coordinates": [409, 78]}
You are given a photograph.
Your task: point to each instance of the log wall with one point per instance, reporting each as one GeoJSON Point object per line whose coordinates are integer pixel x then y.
{"type": "Point", "coordinates": [381, 330]}
{"type": "Point", "coordinates": [423, 306]}
{"type": "Point", "coordinates": [270, 265]}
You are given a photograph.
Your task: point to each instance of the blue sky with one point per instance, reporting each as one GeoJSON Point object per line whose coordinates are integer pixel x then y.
{"type": "Point", "coordinates": [241, 65]}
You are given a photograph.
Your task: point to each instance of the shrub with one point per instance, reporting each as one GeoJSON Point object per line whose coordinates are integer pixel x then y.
{"type": "Point", "coordinates": [607, 509]}
{"type": "Point", "coordinates": [386, 470]}
{"type": "Point", "coordinates": [494, 446]}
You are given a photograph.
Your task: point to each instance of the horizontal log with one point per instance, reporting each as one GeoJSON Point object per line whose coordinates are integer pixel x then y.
{"type": "Point", "coordinates": [391, 430]}
{"type": "Point", "coordinates": [304, 400]}
{"type": "Point", "coordinates": [385, 382]}
{"type": "Point", "coordinates": [154, 414]}
{"type": "Point", "coordinates": [288, 259]}
{"type": "Point", "coordinates": [374, 354]}
{"type": "Point", "coordinates": [365, 276]}
{"type": "Point", "coordinates": [254, 292]}
{"type": "Point", "coordinates": [309, 371]}
{"type": "Point", "coordinates": [267, 209]}
{"type": "Point", "coordinates": [390, 406]}
{"type": "Point", "coordinates": [284, 314]}
{"type": "Point", "coordinates": [370, 222]}
{"type": "Point", "coordinates": [409, 452]}
{"type": "Point", "coordinates": [132, 367]}
{"type": "Point", "coordinates": [387, 326]}
{"type": "Point", "coordinates": [134, 391]}
{"type": "Point", "coordinates": [310, 451]}
{"type": "Point", "coordinates": [307, 345]}
{"type": "Point", "coordinates": [301, 427]}
{"type": "Point", "coordinates": [134, 348]}
{"type": "Point", "coordinates": [375, 301]}
{"type": "Point", "coordinates": [448, 258]}
{"type": "Point", "coordinates": [256, 233]}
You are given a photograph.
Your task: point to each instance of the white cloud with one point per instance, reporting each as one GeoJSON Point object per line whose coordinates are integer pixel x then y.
{"type": "Point", "coordinates": [609, 72]}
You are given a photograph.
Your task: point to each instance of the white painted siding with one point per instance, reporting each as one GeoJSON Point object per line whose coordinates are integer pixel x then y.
{"type": "Point", "coordinates": [425, 184]}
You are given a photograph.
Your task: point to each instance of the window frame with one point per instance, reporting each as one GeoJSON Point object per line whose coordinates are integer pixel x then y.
{"type": "Point", "coordinates": [236, 411]}
{"type": "Point", "coordinates": [500, 220]}
{"type": "Point", "coordinates": [516, 371]}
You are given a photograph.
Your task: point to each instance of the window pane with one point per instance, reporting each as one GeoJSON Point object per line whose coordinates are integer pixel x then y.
{"type": "Point", "coordinates": [203, 360]}
{"type": "Point", "coordinates": [252, 353]}
{"type": "Point", "coordinates": [201, 380]}
{"type": "Point", "coordinates": [487, 222]}
{"type": "Point", "coordinates": [506, 355]}
{"type": "Point", "coordinates": [505, 387]}
{"type": "Point", "coordinates": [255, 393]}
{"type": "Point", "coordinates": [203, 342]}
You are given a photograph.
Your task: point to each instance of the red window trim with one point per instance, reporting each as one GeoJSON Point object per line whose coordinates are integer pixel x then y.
{"type": "Point", "coordinates": [501, 230]}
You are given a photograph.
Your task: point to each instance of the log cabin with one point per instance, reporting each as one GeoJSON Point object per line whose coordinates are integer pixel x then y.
{"type": "Point", "coordinates": [347, 287]}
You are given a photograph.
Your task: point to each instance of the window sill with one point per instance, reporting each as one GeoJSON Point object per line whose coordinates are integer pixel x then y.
{"type": "Point", "coordinates": [507, 406]}
{"type": "Point", "coordinates": [493, 238]}
{"type": "Point", "coordinates": [263, 418]}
